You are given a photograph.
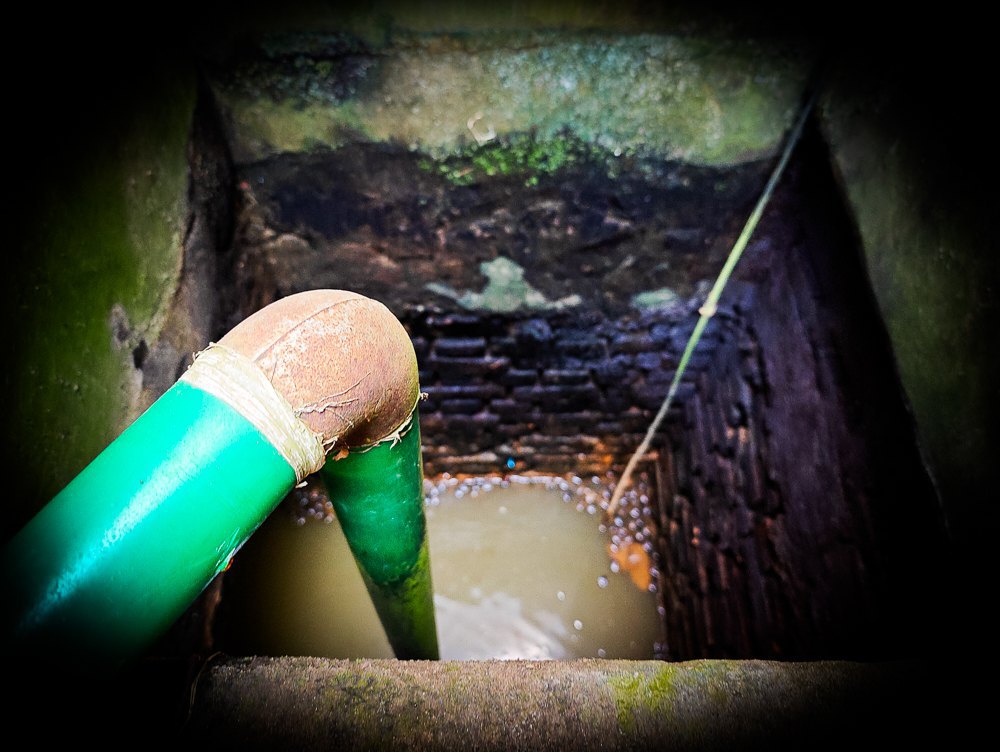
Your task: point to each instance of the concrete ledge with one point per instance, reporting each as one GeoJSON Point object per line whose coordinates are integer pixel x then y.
{"type": "Point", "coordinates": [313, 703]}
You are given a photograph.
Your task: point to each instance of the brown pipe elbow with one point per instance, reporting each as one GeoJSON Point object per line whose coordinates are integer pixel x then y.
{"type": "Point", "coordinates": [343, 362]}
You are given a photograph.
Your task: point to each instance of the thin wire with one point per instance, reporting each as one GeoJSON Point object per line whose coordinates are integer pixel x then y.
{"type": "Point", "coordinates": [712, 301]}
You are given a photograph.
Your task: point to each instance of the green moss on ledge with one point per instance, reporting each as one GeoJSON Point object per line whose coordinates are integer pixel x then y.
{"type": "Point", "coordinates": [518, 155]}
{"type": "Point", "coordinates": [641, 691]}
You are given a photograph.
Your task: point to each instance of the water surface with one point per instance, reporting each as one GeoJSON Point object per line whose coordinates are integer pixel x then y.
{"type": "Point", "coordinates": [520, 570]}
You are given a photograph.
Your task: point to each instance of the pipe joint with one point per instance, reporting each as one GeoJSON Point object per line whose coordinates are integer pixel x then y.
{"type": "Point", "coordinates": [343, 363]}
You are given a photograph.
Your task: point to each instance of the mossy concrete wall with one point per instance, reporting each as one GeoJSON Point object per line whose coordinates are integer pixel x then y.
{"type": "Point", "coordinates": [98, 237]}
{"type": "Point", "coordinates": [918, 175]}
{"type": "Point", "coordinates": [702, 100]}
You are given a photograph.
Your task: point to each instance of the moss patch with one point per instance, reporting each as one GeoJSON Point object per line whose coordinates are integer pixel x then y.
{"type": "Point", "coordinates": [642, 693]}
{"type": "Point", "coordinates": [518, 155]}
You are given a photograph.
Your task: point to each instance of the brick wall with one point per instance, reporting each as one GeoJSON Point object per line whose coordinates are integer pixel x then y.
{"type": "Point", "coordinates": [562, 393]}
{"type": "Point", "coordinates": [796, 517]}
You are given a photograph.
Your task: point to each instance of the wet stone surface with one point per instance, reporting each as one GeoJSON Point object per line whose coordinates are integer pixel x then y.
{"type": "Point", "coordinates": [590, 235]}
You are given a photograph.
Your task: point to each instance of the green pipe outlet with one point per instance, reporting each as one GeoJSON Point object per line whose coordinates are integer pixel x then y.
{"type": "Point", "coordinates": [117, 556]}
{"type": "Point", "coordinates": [378, 496]}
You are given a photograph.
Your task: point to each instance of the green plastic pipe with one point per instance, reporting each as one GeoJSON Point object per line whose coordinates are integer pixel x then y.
{"type": "Point", "coordinates": [106, 567]}
{"type": "Point", "coordinates": [378, 496]}
{"type": "Point", "coordinates": [116, 557]}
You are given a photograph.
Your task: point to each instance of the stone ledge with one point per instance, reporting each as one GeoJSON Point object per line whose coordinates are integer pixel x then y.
{"type": "Point", "coordinates": [313, 703]}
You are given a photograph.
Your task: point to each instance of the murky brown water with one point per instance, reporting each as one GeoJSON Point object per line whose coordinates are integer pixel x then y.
{"type": "Point", "coordinates": [521, 571]}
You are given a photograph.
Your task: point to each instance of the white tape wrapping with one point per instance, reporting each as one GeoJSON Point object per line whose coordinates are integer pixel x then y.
{"type": "Point", "coordinates": [237, 381]}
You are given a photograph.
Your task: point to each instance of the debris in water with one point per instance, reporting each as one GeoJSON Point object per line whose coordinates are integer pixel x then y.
{"type": "Point", "coordinates": [634, 560]}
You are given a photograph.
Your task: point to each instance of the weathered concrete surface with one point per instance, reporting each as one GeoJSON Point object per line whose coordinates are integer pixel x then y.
{"type": "Point", "coordinates": [312, 703]}
{"type": "Point", "coordinates": [94, 255]}
{"type": "Point", "coordinates": [708, 101]}
{"type": "Point", "coordinates": [920, 179]}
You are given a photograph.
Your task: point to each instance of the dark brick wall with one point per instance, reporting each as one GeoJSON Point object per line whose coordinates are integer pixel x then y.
{"type": "Point", "coordinates": [796, 517]}
{"type": "Point", "coordinates": [562, 393]}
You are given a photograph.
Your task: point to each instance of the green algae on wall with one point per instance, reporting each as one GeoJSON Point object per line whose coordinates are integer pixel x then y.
{"type": "Point", "coordinates": [518, 155]}
{"type": "Point", "coordinates": [709, 102]}
{"type": "Point", "coordinates": [99, 264]}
